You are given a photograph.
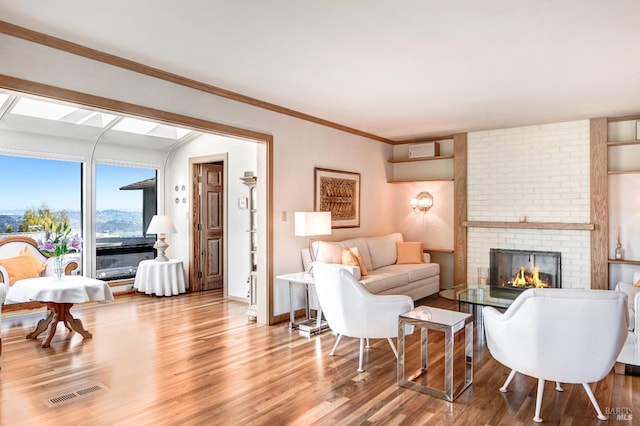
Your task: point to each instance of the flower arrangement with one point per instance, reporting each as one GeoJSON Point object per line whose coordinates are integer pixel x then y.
{"type": "Point", "coordinates": [59, 241]}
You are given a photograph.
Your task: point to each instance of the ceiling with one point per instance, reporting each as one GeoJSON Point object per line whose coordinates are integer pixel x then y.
{"type": "Point", "coordinates": [399, 70]}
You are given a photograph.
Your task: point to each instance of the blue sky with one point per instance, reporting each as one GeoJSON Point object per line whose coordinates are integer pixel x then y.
{"type": "Point", "coordinates": [29, 182]}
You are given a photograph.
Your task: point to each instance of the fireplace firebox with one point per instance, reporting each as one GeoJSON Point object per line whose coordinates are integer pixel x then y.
{"type": "Point", "coordinates": [513, 271]}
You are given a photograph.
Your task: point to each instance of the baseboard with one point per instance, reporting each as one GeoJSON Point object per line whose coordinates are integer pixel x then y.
{"type": "Point", "coordinates": [626, 369]}
{"type": "Point", "coordinates": [277, 319]}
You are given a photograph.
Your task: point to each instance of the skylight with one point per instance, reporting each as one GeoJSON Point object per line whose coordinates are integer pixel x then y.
{"type": "Point", "coordinates": [58, 112]}
{"type": "Point", "coordinates": [149, 128]}
{"type": "Point", "coordinates": [47, 110]}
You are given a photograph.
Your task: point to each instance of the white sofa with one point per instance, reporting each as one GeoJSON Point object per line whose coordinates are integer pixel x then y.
{"type": "Point", "coordinates": [630, 353]}
{"type": "Point", "coordinates": [416, 280]}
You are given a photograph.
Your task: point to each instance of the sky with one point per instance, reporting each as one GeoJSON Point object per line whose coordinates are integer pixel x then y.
{"type": "Point", "coordinates": [57, 184]}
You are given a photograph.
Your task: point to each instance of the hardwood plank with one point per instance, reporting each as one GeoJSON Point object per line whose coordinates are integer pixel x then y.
{"type": "Point", "coordinates": [197, 359]}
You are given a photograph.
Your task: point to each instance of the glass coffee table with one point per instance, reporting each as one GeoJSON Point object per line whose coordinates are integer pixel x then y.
{"type": "Point", "coordinates": [476, 295]}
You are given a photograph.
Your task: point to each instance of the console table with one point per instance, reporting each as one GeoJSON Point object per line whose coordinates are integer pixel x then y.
{"type": "Point", "coordinates": [160, 278]}
{"type": "Point", "coordinates": [59, 296]}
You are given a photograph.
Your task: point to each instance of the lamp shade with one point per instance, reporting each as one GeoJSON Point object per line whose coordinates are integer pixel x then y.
{"type": "Point", "coordinates": [161, 225]}
{"type": "Point", "coordinates": [309, 224]}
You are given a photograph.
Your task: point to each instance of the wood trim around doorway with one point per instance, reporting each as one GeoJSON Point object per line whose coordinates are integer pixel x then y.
{"type": "Point", "coordinates": [265, 315]}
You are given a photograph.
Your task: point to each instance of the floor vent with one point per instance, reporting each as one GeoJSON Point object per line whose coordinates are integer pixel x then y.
{"type": "Point", "coordinates": [74, 395]}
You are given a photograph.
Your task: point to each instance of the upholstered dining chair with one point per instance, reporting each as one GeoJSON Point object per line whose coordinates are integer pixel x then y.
{"type": "Point", "coordinates": [561, 335]}
{"type": "Point", "coordinates": [350, 310]}
{"type": "Point", "coordinates": [3, 295]}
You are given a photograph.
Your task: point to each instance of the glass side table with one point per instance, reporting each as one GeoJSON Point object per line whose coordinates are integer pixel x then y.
{"type": "Point", "coordinates": [475, 295]}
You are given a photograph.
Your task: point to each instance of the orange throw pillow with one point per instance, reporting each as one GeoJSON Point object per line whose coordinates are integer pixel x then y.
{"type": "Point", "coordinates": [351, 256]}
{"type": "Point", "coordinates": [39, 266]}
{"type": "Point", "coordinates": [356, 253]}
{"type": "Point", "coordinates": [409, 252]}
{"type": "Point", "coordinates": [21, 267]}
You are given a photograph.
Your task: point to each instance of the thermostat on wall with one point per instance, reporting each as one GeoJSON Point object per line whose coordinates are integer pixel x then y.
{"type": "Point", "coordinates": [421, 150]}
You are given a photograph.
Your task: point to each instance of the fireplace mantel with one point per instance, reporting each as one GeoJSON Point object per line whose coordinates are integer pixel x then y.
{"type": "Point", "coordinates": [530, 225]}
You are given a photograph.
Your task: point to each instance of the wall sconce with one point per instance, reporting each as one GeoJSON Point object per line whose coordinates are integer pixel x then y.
{"type": "Point", "coordinates": [422, 203]}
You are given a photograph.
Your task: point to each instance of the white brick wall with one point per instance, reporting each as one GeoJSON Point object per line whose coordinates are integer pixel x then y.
{"type": "Point", "coordinates": [541, 172]}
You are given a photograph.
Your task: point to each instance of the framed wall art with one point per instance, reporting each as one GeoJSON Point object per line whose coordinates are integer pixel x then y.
{"type": "Point", "coordinates": [338, 192]}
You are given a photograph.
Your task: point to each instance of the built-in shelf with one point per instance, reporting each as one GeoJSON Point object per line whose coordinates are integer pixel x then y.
{"type": "Point", "coordinates": [432, 250]}
{"type": "Point", "coordinates": [623, 172]}
{"type": "Point", "coordinates": [530, 225]}
{"type": "Point", "coordinates": [625, 262]}
{"type": "Point", "coordinates": [621, 143]}
{"type": "Point", "coordinates": [409, 160]}
{"type": "Point", "coordinates": [422, 180]}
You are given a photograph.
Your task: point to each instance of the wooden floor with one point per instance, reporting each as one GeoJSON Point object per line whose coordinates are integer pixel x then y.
{"type": "Point", "coordinates": [196, 359]}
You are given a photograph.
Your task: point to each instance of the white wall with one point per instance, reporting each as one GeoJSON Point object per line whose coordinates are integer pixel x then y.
{"type": "Point", "coordinates": [624, 214]}
{"type": "Point", "coordinates": [241, 156]}
{"type": "Point", "coordinates": [435, 227]}
{"type": "Point", "coordinates": [299, 146]}
{"type": "Point", "coordinates": [541, 172]}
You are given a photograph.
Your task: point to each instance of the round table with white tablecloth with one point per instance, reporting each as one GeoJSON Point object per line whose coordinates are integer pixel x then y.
{"type": "Point", "coordinates": [160, 278]}
{"type": "Point", "coordinates": [59, 296]}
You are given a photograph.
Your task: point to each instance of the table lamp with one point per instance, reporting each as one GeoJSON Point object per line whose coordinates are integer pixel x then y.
{"type": "Point", "coordinates": [312, 224]}
{"type": "Point", "coordinates": [161, 225]}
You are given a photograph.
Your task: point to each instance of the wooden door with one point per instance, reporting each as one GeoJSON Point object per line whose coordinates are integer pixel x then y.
{"type": "Point", "coordinates": [211, 226]}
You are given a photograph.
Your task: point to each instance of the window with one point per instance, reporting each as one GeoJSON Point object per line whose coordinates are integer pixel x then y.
{"type": "Point", "coordinates": [36, 192]}
{"type": "Point", "coordinates": [125, 204]}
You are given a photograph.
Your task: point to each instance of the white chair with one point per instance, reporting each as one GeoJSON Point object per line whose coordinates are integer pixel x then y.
{"type": "Point", "coordinates": [350, 310]}
{"type": "Point", "coordinates": [630, 353]}
{"type": "Point", "coordinates": [562, 335]}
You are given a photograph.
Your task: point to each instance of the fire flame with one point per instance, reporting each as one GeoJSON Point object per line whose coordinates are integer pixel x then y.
{"type": "Point", "coordinates": [533, 280]}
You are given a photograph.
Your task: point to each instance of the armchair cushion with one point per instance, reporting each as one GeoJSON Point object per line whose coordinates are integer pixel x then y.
{"type": "Point", "coordinates": [22, 266]}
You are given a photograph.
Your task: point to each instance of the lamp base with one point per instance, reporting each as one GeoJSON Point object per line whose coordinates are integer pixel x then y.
{"type": "Point", "coordinates": [161, 246]}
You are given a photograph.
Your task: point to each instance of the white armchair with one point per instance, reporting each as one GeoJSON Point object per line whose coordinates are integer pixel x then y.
{"type": "Point", "coordinates": [350, 310]}
{"type": "Point", "coordinates": [562, 335]}
{"type": "Point", "coordinates": [630, 353]}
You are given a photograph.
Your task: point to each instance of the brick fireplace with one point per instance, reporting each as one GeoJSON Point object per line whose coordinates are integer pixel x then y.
{"type": "Point", "coordinates": [530, 175]}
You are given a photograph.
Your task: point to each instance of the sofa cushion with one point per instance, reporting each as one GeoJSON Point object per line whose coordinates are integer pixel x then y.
{"type": "Point", "coordinates": [409, 251]}
{"type": "Point", "coordinates": [22, 266]}
{"type": "Point", "coordinates": [422, 271]}
{"type": "Point", "coordinates": [383, 250]}
{"type": "Point", "coordinates": [328, 252]}
{"type": "Point", "coordinates": [381, 280]}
